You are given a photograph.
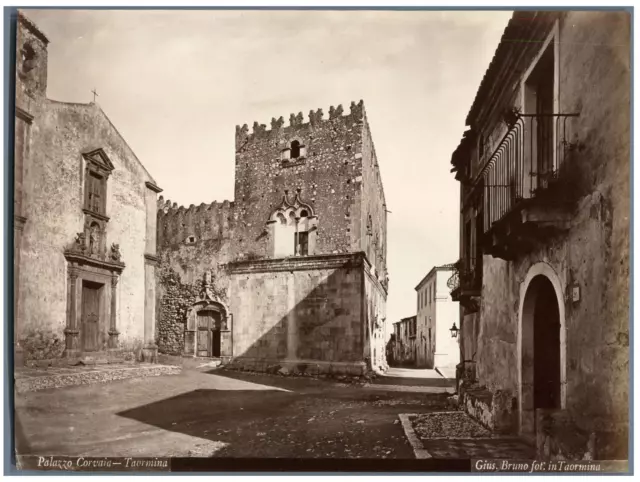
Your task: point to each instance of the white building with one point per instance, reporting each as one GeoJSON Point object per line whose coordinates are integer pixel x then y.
{"type": "Point", "coordinates": [436, 313]}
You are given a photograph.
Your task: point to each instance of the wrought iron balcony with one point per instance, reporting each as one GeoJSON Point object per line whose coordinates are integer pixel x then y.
{"type": "Point", "coordinates": [523, 192]}
{"type": "Point", "coordinates": [453, 283]}
{"type": "Point", "coordinates": [466, 281]}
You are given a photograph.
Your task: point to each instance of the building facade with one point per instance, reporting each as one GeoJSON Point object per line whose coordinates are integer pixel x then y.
{"type": "Point", "coordinates": [543, 276]}
{"type": "Point", "coordinates": [295, 266]}
{"type": "Point", "coordinates": [437, 312]}
{"type": "Point", "coordinates": [84, 226]}
{"type": "Point", "coordinates": [404, 342]}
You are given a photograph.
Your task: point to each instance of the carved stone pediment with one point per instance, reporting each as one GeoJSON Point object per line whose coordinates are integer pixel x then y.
{"type": "Point", "coordinates": [99, 159]}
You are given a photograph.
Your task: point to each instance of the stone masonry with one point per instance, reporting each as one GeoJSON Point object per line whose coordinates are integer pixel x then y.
{"type": "Point", "coordinates": [319, 180]}
{"type": "Point", "coordinates": [84, 226]}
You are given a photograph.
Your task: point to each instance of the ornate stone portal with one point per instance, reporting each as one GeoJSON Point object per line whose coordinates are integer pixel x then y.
{"type": "Point", "coordinates": [93, 271]}
{"type": "Point", "coordinates": [208, 329]}
{"type": "Point", "coordinates": [92, 280]}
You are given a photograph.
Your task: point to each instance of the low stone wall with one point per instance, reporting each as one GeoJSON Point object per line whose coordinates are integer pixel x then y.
{"type": "Point", "coordinates": [495, 410]}
{"type": "Point", "coordinates": [297, 367]}
{"type": "Point", "coordinates": [25, 381]}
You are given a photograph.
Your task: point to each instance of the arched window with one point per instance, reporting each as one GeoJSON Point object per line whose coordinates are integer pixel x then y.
{"type": "Point", "coordinates": [295, 149]}
{"type": "Point", "coordinates": [293, 228]}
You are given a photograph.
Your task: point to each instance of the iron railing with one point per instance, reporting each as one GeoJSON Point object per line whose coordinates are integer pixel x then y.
{"type": "Point", "coordinates": [525, 162]}
{"type": "Point", "coordinates": [466, 275]}
{"type": "Point", "coordinates": [453, 283]}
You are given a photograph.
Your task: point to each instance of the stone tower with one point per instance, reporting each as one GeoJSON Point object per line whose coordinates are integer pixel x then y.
{"type": "Point", "coordinates": [326, 164]}
{"type": "Point", "coordinates": [298, 257]}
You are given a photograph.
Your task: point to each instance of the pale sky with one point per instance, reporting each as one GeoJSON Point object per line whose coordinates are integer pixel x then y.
{"type": "Point", "coordinates": [176, 83]}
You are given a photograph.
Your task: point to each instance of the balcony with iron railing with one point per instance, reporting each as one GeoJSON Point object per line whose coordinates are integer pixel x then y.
{"type": "Point", "coordinates": [466, 281]}
{"type": "Point", "coordinates": [524, 195]}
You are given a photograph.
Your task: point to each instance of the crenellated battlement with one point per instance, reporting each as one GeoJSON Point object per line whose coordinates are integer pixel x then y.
{"type": "Point", "coordinates": [166, 206]}
{"type": "Point", "coordinates": [192, 224]}
{"type": "Point", "coordinates": [315, 119]}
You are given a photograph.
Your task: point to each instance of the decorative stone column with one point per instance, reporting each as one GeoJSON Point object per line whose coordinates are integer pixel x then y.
{"type": "Point", "coordinates": [71, 332]}
{"type": "Point", "coordinates": [296, 246]}
{"type": "Point", "coordinates": [113, 329]}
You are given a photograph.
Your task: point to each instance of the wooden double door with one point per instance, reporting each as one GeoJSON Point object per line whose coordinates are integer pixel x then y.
{"type": "Point", "coordinates": [208, 334]}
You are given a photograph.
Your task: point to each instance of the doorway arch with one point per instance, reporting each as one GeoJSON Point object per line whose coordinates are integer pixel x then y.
{"type": "Point", "coordinates": [207, 327]}
{"type": "Point", "coordinates": [541, 345]}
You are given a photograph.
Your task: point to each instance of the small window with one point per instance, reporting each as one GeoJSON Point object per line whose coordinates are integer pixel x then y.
{"type": "Point", "coordinates": [302, 242]}
{"type": "Point", "coordinates": [95, 192]}
{"type": "Point", "coordinates": [295, 149]}
{"type": "Point", "coordinates": [304, 213]}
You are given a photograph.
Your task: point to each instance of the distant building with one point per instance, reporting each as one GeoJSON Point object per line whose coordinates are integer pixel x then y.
{"type": "Point", "coordinates": [543, 276]}
{"type": "Point", "coordinates": [84, 227]}
{"type": "Point", "coordinates": [404, 336]}
{"type": "Point", "coordinates": [437, 312]}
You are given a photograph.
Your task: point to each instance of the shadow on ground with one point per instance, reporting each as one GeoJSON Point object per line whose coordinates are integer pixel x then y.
{"type": "Point", "coordinates": [310, 419]}
{"type": "Point", "coordinates": [414, 382]}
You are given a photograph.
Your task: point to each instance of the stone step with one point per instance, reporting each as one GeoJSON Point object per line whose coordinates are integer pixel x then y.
{"type": "Point", "coordinates": [29, 380]}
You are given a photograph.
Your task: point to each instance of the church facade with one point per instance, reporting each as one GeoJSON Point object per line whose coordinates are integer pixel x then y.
{"type": "Point", "coordinates": [292, 273]}
{"type": "Point", "coordinates": [84, 227]}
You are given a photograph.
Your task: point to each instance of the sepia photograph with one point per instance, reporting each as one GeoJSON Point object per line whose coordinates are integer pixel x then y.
{"type": "Point", "coordinates": [319, 239]}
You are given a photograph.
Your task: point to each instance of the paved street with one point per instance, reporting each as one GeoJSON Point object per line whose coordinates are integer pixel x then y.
{"type": "Point", "coordinates": [227, 414]}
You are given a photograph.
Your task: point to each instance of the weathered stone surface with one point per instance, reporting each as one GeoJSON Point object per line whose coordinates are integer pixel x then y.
{"type": "Point", "coordinates": [592, 255]}
{"type": "Point", "coordinates": [26, 382]}
{"type": "Point", "coordinates": [339, 313]}
{"type": "Point", "coordinates": [54, 139]}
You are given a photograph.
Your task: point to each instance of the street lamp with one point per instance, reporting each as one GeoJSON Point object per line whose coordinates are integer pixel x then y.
{"type": "Point", "coordinates": [454, 330]}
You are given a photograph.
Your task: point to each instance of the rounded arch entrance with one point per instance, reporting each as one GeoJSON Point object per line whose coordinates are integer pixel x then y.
{"type": "Point", "coordinates": [541, 345]}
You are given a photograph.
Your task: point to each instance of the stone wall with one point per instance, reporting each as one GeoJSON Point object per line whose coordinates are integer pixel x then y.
{"type": "Point", "coordinates": [373, 211]}
{"type": "Point", "coordinates": [50, 170]}
{"type": "Point", "coordinates": [337, 174]}
{"type": "Point", "coordinates": [53, 206]}
{"type": "Point", "coordinates": [469, 335]}
{"type": "Point", "coordinates": [375, 299]}
{"type": "Point", "coordinates": [560, 438]}
{"type": "Point", "coordinates": [329, 177]}
{"type": "Point", "coordinates": [175, 300]}
{"type": "Point", "coordinates": [593, 255]}
{"type": "Point", "coordinates": [299, 311]}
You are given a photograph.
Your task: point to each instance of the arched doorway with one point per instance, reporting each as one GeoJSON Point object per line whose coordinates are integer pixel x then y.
{"type": "Point", "coordinates": [208, 328]}
{"type": "Point", "coordinates": [207, 333]}
{"type": "Point", "coordinates": [541, 351]}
